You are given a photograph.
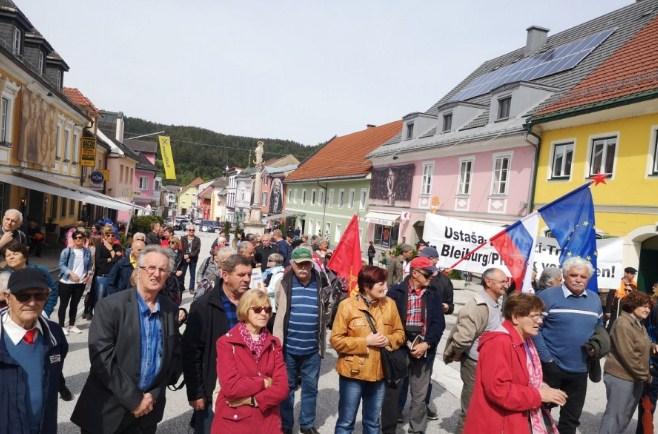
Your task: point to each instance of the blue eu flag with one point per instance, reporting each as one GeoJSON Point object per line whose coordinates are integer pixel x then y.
{"type": "Point", "coordinates": [571, 221]}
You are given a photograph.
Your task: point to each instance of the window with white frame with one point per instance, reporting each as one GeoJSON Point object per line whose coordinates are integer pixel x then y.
{"type": "Point", "coordinates": [602, 158]}
{"type": "Point", "coordinates": [562, 159]}
{"type": "Point", "coordinates": [40, 62]}
{"type": "Point", "coordinates": [321, 197]}
{"type": "Point", "coordinates": [330, 197]}
{"type": "Point", "coordinates": [410, 130]}
{"type": "Point", "coordinates": [143, 183]}
{"type": "Point", "coordinates": [313, 197]}
{"type": "Point", "coordinates": [5, 120]}
{"type": "Point", "coordinates": [465, 174]}
{"type": "Point", "coordinates": [289, 200]}
{"type": "Point", "coordinates": [67, 139]}
{"type": "Point", "coordinates": [337, 233]}
{"type": "Point", "coordinates": [447, 122]}
{"type": "Point", "coordinates": [654, 167]}
{"type": "Point", "coordinates": [504, 105]}
{"type": "Point", "coordinates": [58, 145]}
{"type": "Point", "coordinates": [303, 197]}
{"type": "Point", "coordinates": [501, 174]}
{"type": "Point", "coordinates": [351, 201]}
{"type": "Point", "coordinates": [76, 148]}
{"type": "Point", "coordinates": [341, 198]}
{"type": "Point", "coordinates": [426, 187]}
{"type": "Point", "coordinates": [263, 199]}
{"type": "Point", "coordinates": [363, 198]}
{"type": "Point", "coordinates": [386, 236]}
{"type": "Point", "coordinates": [18, 42]}
{"type": "Point", "coordinates": [327, 229]}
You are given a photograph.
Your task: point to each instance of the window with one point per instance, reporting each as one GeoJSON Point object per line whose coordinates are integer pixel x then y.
{"type": "Point", "coordinates": [501, 174]}
{"type": "Point", "coordinates": [157, 184]}
{"type": "Point", "coordinates": [76, 148]}
{"type": "Point", "coordinates": [67, 137]}
{"type": "Point", "coordinates": [71, 207]}
{"type": "Point", "coordinates": [143, 183]}
{"type": "Point", "coordinates": [410, 130]}
{"type": "Point", "coordinates": [303, 197]}
{"type": "Point", "coordinates": [321, 197]}
{"type": "Point", "coordinates": [465, 170]}
{"type": "Point", "coordinates": [263, 200]}
{"type": "Point", "coordinates": [654, 168]}
{"type": "Point", "coordinates": [351, 202]}
{"type": "Point", "coordinates": [386, 236]}
{"type": "Point", "coordinates": [289, 199]}
{"type": "Point", "coordinates": [363, 198]}
{"type": "Point", "coordinates": [562, 158]}
{"type": "Point", "coordinates": [447, 122]}
{"type": "Point", "coordinates": [5, 118]}
{"type": "Point", "coordinates": [341, 198]}
{"type": "Point", "coordinates": [62, 210]}
{"type": "Point", "coordinates": [337, 234]}
{"type": "Point", "coordinates": [16, 48]}
{"type": "Point", "coordinates": [54, 201]}
{"type": "Point", "coordinates": [603, 156]}
{"type": "Point", "coordinates": [132, 174]}
{"type": "Point", "coordinates": [121, 173]}
{"type": "Point", "coordinates": [504, 105]}
{"type": "Point", "coordinates": [58, 145]}
{"type": "Point", "coordinates": [40, 62]}
{"type": "Point", "coordinates": [327, 229]}
{"type": "Point", "coordinates": [426, 187]}
{"type": "Point", "coordinates": [330, 197]}
{"type": "Point", "coordinates": [312, 197]}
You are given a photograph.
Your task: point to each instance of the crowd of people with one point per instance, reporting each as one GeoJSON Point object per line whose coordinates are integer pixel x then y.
{"type": "Point", "coordinates": [266, 308]}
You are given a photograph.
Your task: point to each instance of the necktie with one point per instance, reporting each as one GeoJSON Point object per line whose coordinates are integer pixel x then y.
{"type": "Point", "coordinates": [30, 336]}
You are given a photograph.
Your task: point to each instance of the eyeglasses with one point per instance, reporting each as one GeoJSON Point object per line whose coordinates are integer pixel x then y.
{"type": "Point", "coordinates": [190, 230]}
{"type": "Point", "coordinates": [259, 309]}
{"type": "Point", "coordinates": [109, 235]}
{"type": "Point", "coordinates": [173, 243]}
{"type": "Point", "coordinates": [78, 238]}
{"type": "Point", "coordinates": [152, 269]}
{"type": "Point", "coordinates": [37, 296]}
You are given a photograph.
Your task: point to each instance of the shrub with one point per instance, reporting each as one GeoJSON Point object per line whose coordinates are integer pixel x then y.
{"type": "Point", "coordinates": [142, 223]}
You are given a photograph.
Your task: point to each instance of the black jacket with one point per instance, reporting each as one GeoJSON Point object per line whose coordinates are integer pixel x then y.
{"type": "Point", "coordinates": [14, 388]}
{"type": "Point", "coordinates": [435, 321]}
{"type": "Point", "coordinates": [262, 253]}
{"type": "Point", "coordinates": [446, 291]}
{"type": "Point", "coordinates": [119, 277]}
{"type": "Point", "coordinates": [206, 323]}
{"type": "Point", "coordinates": [152, 238]}
{"type": "Point", "coordinates": [192, 248]}
{"type": "Point", "coordinates": [111, 391]}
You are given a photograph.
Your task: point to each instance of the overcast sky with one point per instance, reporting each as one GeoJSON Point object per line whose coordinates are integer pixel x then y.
{"type": "Point", "coordinates": [303, 70]}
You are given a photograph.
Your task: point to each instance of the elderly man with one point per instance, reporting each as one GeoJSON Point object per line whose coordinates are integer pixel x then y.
{"type": "Point", "coordinates": [211, 316]}
{"type": "Point", "coordinates": [571, 315]}
{"type": "Point", "coordinates": [282, 245]}
{"type": "Point", "coordinates": [119, 277]}
{"type": "Point", "coordinates": [32, 352]}
{"type": "Point", "coordinates": [397, 265]}
{"type": "Point", "coordinates": [153, 237]}
{"type": "Point", "coordinates": [264, 251]}
{"type": "Point", "coordinates": [482, 313]}
{"type": "Point", "coordinates": [247, 250]}
{"type": "Point", "coordinates": [191, 245]}
{"type": "Point", "coordinates": [302, 300]}
{"type": "Point", "coordinates": [419, 306]}
{"type": "Point", "coordinates": [134, 349]}
{"type": "Point", "coordinates": [11, 223]}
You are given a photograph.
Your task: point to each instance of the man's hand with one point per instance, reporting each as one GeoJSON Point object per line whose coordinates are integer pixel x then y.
{"type": "Point", "coordinates": [179, 273]}
{"type": "Point", "coordinates": [199, 404]}
{"type": "Point", "coordinates": [376, 340]}
{"type": "Point", "coordinates": [419, 350]}
{"type": "Point", "coordinates": [144, 407]}
{"type": "Point", "coordinates": [445, 307]}
{"type": "Point", "coordinates": [6, 238]}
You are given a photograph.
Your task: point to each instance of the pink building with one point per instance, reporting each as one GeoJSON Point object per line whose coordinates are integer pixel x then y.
{"type": "Point", "coordinates": [146, 185]}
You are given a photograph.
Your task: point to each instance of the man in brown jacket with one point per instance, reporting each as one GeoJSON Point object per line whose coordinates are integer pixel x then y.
{"type": "Point", "coordinates": [397, 263]}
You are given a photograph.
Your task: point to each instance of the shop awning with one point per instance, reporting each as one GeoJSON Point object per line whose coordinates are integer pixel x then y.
{"type": "Point", "coordinates": [294, 214]}
{"type": "Point", "coordinates": [273, 217]}
{"type": "Point", "coordinates": [382, 218]}
{"type": "Point", "coordinates": [77, 193]}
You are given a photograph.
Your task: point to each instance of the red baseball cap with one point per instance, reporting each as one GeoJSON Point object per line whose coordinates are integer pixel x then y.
{"type": "Point", "coordinates": [423, 263]}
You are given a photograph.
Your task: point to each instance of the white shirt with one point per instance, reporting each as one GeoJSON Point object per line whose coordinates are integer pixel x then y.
{"type": "Point", "coordinates": [16, 332]}
{"type": "Point", "coordinates": [78, 265]}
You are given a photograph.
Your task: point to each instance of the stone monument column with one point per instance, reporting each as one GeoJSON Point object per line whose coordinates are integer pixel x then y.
{"type": "Point", "coordinates": [254, 224]}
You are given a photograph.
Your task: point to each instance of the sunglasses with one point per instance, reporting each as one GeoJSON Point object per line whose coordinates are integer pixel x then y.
{"type": "Point", "coordinates": [173, 243]}
{"type": "Point", "coordinates": [259, 309]}
{"type": "Point", "coordinates": [38, 296]}
{"type": "Point", "coordinates": [78, 238]}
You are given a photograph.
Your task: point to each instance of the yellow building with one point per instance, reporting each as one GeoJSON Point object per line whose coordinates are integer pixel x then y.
{"type": "Point", "coordinates": [608, 124]}
{"type": "Point", "coordinates": [187, 198]}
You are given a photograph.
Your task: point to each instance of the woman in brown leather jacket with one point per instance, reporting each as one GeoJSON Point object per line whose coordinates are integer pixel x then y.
{"type": "Point", "coordinates": [359, 362]}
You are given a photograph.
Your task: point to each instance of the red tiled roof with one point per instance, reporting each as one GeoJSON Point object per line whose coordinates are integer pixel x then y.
{"type": "Point", "coordinates": [76, 97]}
{"type": "Point", "coordinates": [631, 70]}
{"type": "Point", "coordinates": [345, 155]}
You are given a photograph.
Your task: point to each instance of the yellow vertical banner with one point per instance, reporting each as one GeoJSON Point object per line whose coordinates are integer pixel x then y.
{"type": "Point", "coordinates": [167, 157]}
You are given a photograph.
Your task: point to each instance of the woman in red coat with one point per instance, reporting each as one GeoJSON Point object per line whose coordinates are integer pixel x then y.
{"type": "Point", "coordinates": [251, 372]}
{"type": "Point", "coordinates": [508, 393]}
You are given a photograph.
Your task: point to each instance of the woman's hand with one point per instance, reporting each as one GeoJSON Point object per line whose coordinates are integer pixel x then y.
{"type": "Point", "coordinates": [376, 340]}
{"type": "Point", "coordinates": [239, 402]}
{"type": "Point", "coordinates": [553, 396]}
{"type": "Point", "coordinates": [267, 381]}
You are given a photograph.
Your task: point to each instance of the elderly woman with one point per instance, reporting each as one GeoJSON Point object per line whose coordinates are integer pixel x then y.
{"type": "Point", "coordinates": [509, 392]}
{"type": "Point", "coordinates": [550, 277]}
{"type": "Point", "coordinates": [251, 372]}
{"type": "Point", "coordinates": [627, 367]}
{"type": "Point", "coordinates": [359, 362]}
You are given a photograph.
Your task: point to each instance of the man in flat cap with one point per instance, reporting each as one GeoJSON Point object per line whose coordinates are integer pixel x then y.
{"type": "Point", "coordinates": [32, 352]}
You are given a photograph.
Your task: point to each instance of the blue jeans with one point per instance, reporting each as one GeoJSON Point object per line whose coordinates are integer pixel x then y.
{"type": "Point", "coordinates": [351, 392]}
{"type": "Point", "coordinates": [101, 287]}
{"type": "Point", "coordinates": [309, 369]}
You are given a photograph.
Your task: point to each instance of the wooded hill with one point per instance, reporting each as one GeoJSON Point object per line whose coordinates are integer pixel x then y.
{"type": "Point", "coordinates": [205, 153]}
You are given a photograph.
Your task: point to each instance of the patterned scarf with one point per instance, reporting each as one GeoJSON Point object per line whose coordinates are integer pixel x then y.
{"type": "Point", "coordinates": [538, 419]}
{"type": "Point", "coordinates": [257, 347]}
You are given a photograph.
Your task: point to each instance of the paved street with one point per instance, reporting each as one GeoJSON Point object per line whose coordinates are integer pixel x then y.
{"type": "Point", "coordinates": [446, 390]}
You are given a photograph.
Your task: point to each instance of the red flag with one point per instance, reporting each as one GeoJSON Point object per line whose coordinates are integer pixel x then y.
{"type": "Point", "coordinates": [346, 260]}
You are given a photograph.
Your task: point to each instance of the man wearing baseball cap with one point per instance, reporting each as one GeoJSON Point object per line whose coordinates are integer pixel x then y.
{"type": "Point", "coordinates": [419, 306]}
{"type": "Point", "coordinates": [32, 352]}
{"type": "Point", "coordinates": [302, 300]}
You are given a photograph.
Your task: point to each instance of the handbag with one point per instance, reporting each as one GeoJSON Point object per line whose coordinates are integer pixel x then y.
{"type": "Point", "coordinates": [395, 363]}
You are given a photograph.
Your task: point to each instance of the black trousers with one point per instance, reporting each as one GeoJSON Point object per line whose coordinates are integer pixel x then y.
{"type": "Point", "coordinates": [574, 384]}
{"type": "Point", "coordinates": [131, 425]}
{"type": "Point", "coordinates": [69, 292]}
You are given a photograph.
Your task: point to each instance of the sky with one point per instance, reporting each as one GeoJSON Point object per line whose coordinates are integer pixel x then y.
{"type": "Point", "coordinates": [302, 70]}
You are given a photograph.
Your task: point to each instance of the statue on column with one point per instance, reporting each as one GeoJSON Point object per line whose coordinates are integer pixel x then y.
{"type": "Point", "coordinates": [255, 214]}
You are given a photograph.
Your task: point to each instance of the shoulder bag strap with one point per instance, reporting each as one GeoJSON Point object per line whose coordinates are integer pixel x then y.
{"type": "Point", "coordinates": [370, 322]}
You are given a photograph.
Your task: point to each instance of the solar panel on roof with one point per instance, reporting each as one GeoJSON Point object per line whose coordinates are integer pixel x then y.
{"type": "Point", "coordinates": [552, 61]}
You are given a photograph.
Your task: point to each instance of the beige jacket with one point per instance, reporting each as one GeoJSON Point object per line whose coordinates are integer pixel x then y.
{"type": "Point", "coordinates": [348, 337]}
{"type": "Point", "coordinates": [471, 323]}
{"type": "Point", "coordinates": [631, 349]}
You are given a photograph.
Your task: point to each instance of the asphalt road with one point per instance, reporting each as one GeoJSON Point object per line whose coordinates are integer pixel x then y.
{"type": "Point", "coordinates": [445, 397]}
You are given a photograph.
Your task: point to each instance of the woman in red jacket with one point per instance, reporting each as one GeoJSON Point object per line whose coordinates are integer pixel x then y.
{"type": "Point", "coordinates": [508, 392]}
{"type": "Point", "coordinates": [251, 372]}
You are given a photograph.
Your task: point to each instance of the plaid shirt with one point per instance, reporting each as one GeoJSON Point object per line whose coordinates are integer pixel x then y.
{"type": "Point", "coordinates": [230, 310]}
{"type": "Point", "coordinates": [415, 308]}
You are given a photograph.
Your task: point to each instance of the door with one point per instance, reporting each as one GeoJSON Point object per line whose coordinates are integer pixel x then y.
{"type": "Point", "coordinates": [35, 201]}
{"type": "Point", "coordinates": [648, 272]}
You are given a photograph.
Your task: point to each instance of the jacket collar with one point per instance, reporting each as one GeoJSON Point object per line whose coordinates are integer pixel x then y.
{"type": "Point", "coordinates": [234, 338]}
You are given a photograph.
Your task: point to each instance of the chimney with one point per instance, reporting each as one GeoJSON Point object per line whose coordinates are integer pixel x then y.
{"type": "Point", "coordinates": [120, 127]}
{"type": "Point", "coordinates": [536, 39]}
{"type": "Point", "coordinates": [370, 125]}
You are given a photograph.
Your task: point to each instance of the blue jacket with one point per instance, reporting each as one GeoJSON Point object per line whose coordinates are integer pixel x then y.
{"type": "Point", "coordinates": [66, 259]}
{"type": "Point", "coordinates": [435, 321]}
{"type": "Point", "coordinates": [14, 387]}
{"type": "Point", "coordinates": [119, 277]}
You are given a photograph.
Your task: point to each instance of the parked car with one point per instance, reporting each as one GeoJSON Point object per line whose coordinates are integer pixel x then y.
{"type": "Point", "coordinates": [208, 226]}
{"type": "Point", "coordinates": [181, 223]}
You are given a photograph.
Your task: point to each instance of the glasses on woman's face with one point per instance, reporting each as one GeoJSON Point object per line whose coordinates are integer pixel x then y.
{"type": "Point", "coordinates": [259, 309]}
{"type": "Point", "coordinates": [109, 235]}
{"type": "Point", "coordinates": [79, 238]}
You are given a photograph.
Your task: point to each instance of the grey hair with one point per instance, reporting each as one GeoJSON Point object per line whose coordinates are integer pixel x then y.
{"type": "Point", "coordinates": [190, 226]}
{"type": "Point", "coordinates": [489, 274]}
{"type": "Point", "coordinates": [577, 261]}
{"type": "Point", "coordinates": [141, 234]}
{"type": "Point", "coordinates": [549, 273]}
{"type": "Point", "coordinates": [277, 258]}
{"type": "Point", "coordinates": [154, 248]}
{"type": "Point", "coordinates": [17, 212]}
{"type": "Point", "coordinates": [243, 245]}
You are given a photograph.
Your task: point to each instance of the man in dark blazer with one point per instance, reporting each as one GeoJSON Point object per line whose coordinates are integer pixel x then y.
{"type": "Point", "coordinates": [191, 245]}
{"type": "Point", "coordinates": [134, 349]}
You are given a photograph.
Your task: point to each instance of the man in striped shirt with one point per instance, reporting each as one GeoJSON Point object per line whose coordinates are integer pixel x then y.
{"type": "Point", "coordinates": [302, 298]}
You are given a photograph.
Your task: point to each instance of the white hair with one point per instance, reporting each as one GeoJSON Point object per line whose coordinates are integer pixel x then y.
{"type": "Point", "coordinates": [577, 262]}
{"type": "Point", "coordinates": [154, 248]}
{"type": "Point", "coordinates": [19, 214]}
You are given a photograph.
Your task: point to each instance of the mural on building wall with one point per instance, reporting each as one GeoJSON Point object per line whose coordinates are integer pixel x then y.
{"type": "Point", "coordinates": [38, 129]}
{"type": "Point", "coordinates": [391, 184]}
{"type": "Point", "coordinates": [276, 197]}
